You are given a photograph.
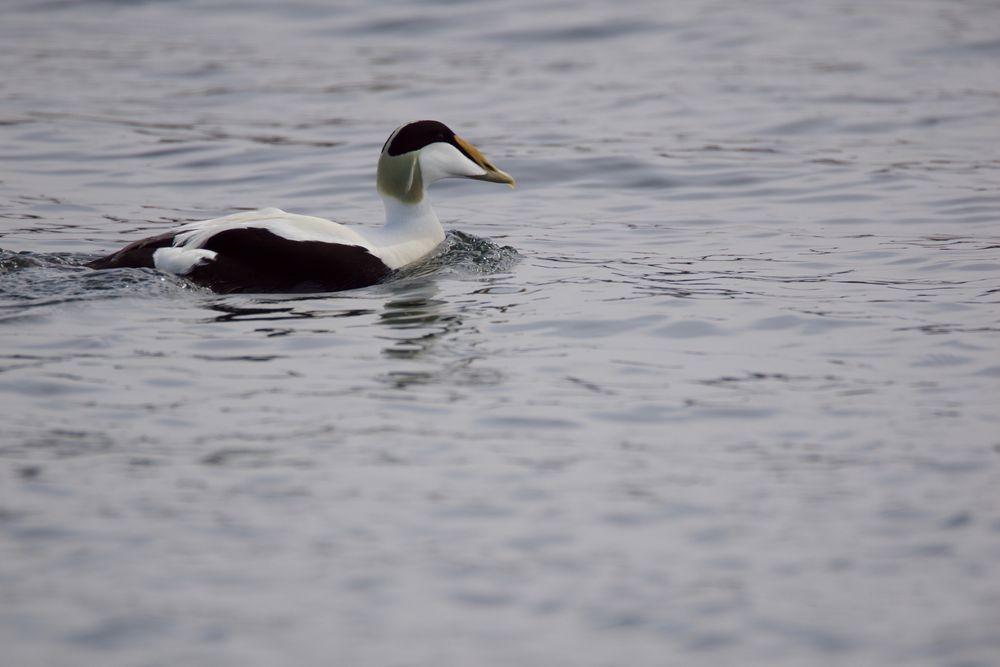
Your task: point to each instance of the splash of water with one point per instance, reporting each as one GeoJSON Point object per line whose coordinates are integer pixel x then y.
{"type": "Point", "coordinates": [463, 255]}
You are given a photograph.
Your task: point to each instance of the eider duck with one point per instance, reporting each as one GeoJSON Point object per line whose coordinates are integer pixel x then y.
{"type": "Point", "coordinates": [269, 250]}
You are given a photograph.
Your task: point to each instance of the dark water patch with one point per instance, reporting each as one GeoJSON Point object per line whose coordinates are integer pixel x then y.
{"type": "Point", "coordinates": [805, 126]}
{"type": "Point", "coordinates": [58, 444]}
{"type": "Point", "coordinates": [604, 30]}
{"type": "Point", "coordinates": [461, 373]}
{"type": "Point", "coordinates": [822, 639]}
{"type": "Point", "coordinates": [415, 312]}
{"type": "Point", "coordinates": [121, 632]}
{"type": "Point", "coordinates": [416, 24]}
{"type": "Point", "coordinates": [245, 457]}
{"type": "Point", "coordinates": [862, 99]}
{"type": "Point", "coordinates": [973, 49]}
{"type": "Point", "coordinates": [230, 311]}
{"type": "Point", "coordinates": [527, 423]}
{"type": "Point", "coordinates": [479, 598]}
{"type": "Point", "coordinates": [939, 328]}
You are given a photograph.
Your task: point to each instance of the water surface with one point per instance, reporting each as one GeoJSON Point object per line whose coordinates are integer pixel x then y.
{"type": "Point", "coordinates": [717, 384]}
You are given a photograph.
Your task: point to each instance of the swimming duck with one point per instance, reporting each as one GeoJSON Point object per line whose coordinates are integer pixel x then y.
{"type": "Point", "coordinates": [269, 250]}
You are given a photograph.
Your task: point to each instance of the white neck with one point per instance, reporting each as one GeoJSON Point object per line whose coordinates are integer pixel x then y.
{"type": "Point", "coordinates": [411, 231]}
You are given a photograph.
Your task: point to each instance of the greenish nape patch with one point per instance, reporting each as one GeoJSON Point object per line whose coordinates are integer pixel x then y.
{"type": "Point", "coordinates": [399, 176]}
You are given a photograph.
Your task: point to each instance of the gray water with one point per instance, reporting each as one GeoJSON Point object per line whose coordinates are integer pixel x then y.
{"type": "Point", "coordinates": [718, 384]}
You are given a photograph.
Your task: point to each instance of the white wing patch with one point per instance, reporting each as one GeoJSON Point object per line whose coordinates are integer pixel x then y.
{"type": "Point", "coordinates": [291, 226]}
{"type": "Point", "coordinates": [396, 244]}
{"type": "Point", "coordinates": [180, 260]}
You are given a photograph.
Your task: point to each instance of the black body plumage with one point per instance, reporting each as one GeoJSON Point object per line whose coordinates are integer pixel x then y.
{"type": "Point", "coordinates": [253, 259]}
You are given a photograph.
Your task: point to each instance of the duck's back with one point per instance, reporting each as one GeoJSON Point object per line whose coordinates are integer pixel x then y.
{"type": "Point", "coordinates": [266, 250]}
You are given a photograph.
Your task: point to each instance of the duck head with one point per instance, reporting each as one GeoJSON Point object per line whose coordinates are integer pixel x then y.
{"type": "Point", "coordinates": [419, 153]}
